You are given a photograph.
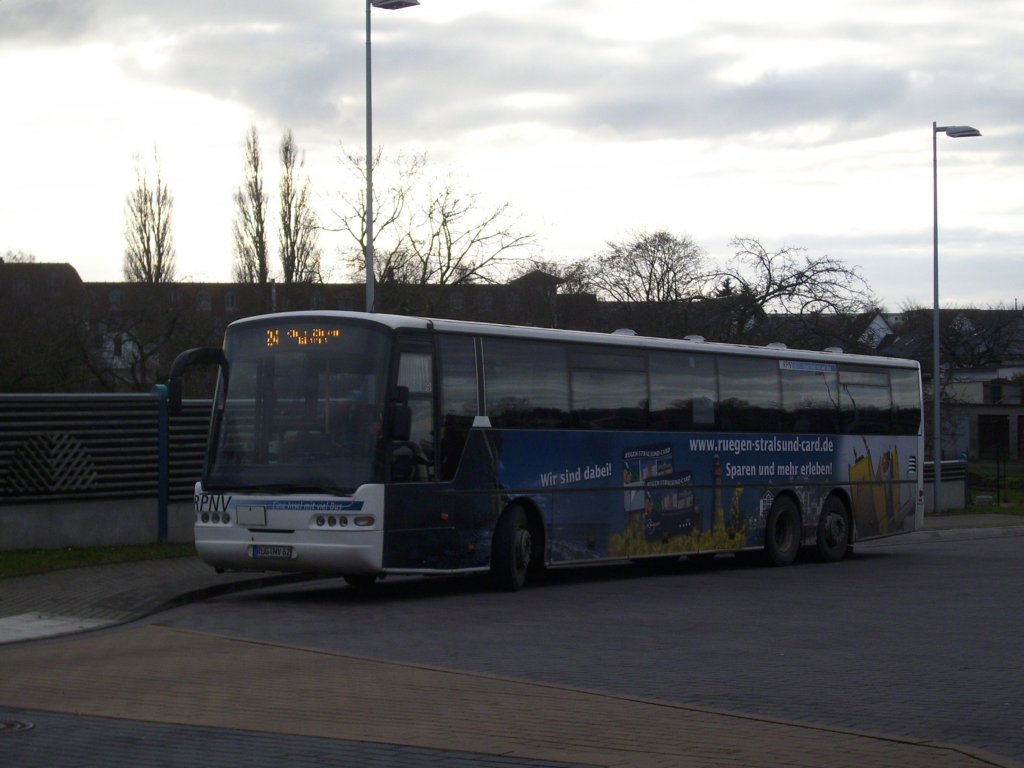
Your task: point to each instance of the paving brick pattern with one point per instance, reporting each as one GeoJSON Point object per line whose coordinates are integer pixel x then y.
{"type": "Point", "coordinates": [906, 655]}
{"type": "Point", "coordinates": [158, 675]}
{"type": "Point", "coordinates": [915, 639]}
{"type": "Point", "coordinates": [63, 740]}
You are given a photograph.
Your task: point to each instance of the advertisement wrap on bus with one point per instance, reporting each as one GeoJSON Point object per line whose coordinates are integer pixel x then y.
{"type": "Point", "coordinates": [696, 493]}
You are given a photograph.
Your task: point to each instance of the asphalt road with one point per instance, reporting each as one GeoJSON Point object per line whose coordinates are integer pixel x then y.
{"type": "Point", "coordinates": [919, 639]}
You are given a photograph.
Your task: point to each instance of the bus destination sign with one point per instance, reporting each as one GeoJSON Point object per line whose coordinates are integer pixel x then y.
{"type": "Point", "coordinates": [301, 337]}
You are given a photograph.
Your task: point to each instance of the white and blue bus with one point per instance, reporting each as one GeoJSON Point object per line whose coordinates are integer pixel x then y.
{"type": "Point", "coordinates": [363, 445]}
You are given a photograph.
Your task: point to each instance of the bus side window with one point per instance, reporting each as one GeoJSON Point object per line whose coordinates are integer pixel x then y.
{"type": "Point", "coordinates": [608, 389]}
{"type": "Point", "coordinates": [458, 399]}
{"type": "Point", "coordinates": [749, 396]}
{"type": "Point", "coordinates": [906, 401]}
{"type": "Point", "coordinates": [527, 384]}
{"type": "Point", "coordinates": [810, 400]}
{"type": "Point", "coordinates": [684, 391]}
{"type": "Point", "coordinates": [865, 402]}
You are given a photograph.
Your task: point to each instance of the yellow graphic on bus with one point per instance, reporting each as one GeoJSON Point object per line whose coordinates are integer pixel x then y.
{"type": "Point", "coordinates": [877, 491]}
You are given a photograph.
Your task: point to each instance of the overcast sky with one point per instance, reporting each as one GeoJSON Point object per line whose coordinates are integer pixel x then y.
{"type": "Point", "coordinates": [799, 123]}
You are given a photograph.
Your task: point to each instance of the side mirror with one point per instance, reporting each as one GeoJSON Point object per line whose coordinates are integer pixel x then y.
{"type": "Point", "coordinates": [195, 356]}
{"type": "Point", "coordinates": [174, 394]}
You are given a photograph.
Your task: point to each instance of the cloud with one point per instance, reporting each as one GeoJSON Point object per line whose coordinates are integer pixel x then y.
{"type": "Point", "coordinates": [300, 65]}
{"type": "Point", "coordinates": [44, 21]}
{"type": "Point", "coordinates": [792, 121]}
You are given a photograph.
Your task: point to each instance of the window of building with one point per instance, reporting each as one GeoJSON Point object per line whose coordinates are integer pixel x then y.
{"type": "Point", "coordinates": [1001, 393]}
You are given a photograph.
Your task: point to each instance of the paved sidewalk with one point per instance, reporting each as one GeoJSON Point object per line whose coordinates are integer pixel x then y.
{"type": "Point", "coordinates": [154, 695]}
{"type": "Point", "coordinates": [970, 522]}
{"type": "Point", "coordinates": [81, 599]}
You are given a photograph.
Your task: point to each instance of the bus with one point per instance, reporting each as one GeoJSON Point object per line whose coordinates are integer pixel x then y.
{"type": "Point", "coordinates": [361, 445]}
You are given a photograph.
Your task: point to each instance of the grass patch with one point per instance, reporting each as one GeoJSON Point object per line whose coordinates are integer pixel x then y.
{"type": "Point", "coordinates": [1003, 484]}
{"type": "Point", "coordinates": [25, 562]}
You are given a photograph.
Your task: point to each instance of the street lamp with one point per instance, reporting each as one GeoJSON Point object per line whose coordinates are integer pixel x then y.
{"type": "Point", "coordinates": [955, 132]}
{"type": "Point", "coordinates": [389, 5]}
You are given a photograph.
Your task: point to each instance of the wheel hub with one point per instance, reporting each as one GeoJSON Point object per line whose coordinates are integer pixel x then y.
{"type": "Point", "coordinates": [524, 549]}
{"type": "Point", "coordinates": [835, 529]}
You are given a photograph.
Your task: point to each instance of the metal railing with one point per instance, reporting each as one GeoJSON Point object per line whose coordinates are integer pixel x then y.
{"type": "Point", "coordinates": [96, 446]}
{"type": "Point", "coordinates": [953, 493]}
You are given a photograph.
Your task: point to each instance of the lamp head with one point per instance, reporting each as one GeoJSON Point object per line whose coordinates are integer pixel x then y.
{"type": "Point", "coordinates": [958, 131]}
{"type": "Point", "coordinates": [393, 5]}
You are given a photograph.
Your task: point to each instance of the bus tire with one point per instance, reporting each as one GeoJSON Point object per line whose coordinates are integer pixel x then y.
{"type": "Point", "coordinates": [782, 532]}
{"type": "Point", "coordinates": [833, 539]}
{"type": "Point", "coordinates": [512, 550]}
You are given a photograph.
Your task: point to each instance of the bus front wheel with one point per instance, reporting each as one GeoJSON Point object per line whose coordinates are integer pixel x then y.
{"type": "Point", "coordinates": [511, 550]}
{"type": "Point", "coordinates": [833, 530]}
{"type": "Point", "coordinates": [782, 532]}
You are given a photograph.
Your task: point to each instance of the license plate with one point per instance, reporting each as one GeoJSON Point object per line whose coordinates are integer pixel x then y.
{"type": "Point", "coordinates": [270, 552]}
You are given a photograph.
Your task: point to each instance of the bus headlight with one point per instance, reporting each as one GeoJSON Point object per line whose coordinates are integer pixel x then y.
{"type": "Point", "coordinates": [217, 518]}
{"type": "Point", "coordinates": [364, 521]}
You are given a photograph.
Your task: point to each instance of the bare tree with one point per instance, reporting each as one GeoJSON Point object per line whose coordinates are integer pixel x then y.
{"type": "Point", "coordinates": [655, 267]}
{"type": "Point", "coordinates": [298, 232]}
{"type": "Point", "coordinates": [392, 263]}
{"type": "Point", "coordinates": [131, 346]}
{"type": "Point", "coordinates": [426, 235]}
{"type": "Point", "coordinates": [455, 240]}
{"type": "Point", "coordinates": [250, 228]}
{"type": "Point", "coordinates": [968, 337]}
{"type": "Point", "coordinates": [758, 281]}
{"type": "Point", "coordinates": [149, 246]}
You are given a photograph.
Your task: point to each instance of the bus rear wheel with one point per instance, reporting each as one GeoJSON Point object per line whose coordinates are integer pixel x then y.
{"type": "Point", "coordinates": [833, 539]}
{"type": "Point", "coordinates": [511, 550]}
{"type": "Point", "coordinates": [782, 532]}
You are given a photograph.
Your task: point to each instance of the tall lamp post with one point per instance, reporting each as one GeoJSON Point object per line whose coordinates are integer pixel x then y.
{"type": "Point", "coordinates": [955, 132]}
{"type": "Point", "coordinates": [389, 5]}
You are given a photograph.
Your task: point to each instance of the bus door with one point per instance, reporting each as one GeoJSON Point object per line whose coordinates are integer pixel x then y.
{"type": "Point", "coordinates": [413, 459]}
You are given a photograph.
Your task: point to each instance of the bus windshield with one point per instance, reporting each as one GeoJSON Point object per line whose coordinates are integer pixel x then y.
{"type": "Point", "coordinates": [300, 407]}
